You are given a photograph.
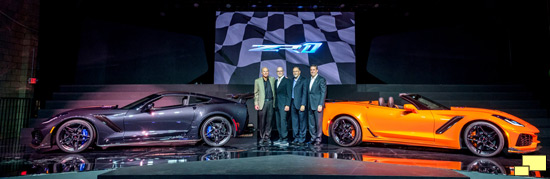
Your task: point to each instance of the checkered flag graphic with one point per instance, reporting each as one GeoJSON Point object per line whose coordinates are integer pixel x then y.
{"type": "Point", "coordinates": [237, 32]}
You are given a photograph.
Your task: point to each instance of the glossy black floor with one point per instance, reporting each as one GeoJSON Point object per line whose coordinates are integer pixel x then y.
{"type": "Point", "coordinates": [21, 160]}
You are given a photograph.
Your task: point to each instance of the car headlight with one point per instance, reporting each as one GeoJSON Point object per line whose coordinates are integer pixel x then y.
{"type": "Point", "coordinates": [515, 123]}
{"type": "Point", "coordinates": [54, 117]}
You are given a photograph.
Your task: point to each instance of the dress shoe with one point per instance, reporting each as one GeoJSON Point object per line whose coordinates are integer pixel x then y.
{"type": "Point", "coordinates": [283, 143]}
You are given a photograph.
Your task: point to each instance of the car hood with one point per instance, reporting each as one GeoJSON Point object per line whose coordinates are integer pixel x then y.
{"type": "Point", "coordinates": [496, 112]}
{"type": "Point", "coordinates": [104, 110]}
{"type": "Point", "coordinates": [488, 111]}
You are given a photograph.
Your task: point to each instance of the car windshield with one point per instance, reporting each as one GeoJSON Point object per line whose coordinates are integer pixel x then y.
{"type": "Point", "coordinates": [140, 101]}
{"type": "Point", "coordinates": [432, 105]}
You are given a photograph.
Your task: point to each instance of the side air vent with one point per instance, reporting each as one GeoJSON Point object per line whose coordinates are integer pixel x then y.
{"type": "Point", "coordinates": [524, 140]}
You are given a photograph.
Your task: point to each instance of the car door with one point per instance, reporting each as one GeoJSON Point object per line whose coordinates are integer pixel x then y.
{"type": "Point", "coordinates": [400, 125]}
{"type": "Point", "coordinates": [169, 119]}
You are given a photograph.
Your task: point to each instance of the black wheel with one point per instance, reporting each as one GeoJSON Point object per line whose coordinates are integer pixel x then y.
{"type": "Point", "coordinates": [74, 136]}
{"type": "Point", "coordinates": [215, 153]}
{"type": "Point", "coordinates": [485, 165]}
{"type": "Point", "coordinates": [347, 154]}
{"type": "Point", "coordinates": [216, 131]}
{"type": "Point", "coordinates": [345, 131]}
{"type": "Point", "coordinates": [483, 139]}
{"type": "Point", "coordinates": [72, 163]}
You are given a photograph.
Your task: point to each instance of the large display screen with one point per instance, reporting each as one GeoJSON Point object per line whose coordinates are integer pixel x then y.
{"type": "Point", "coordinates": [249, 41]}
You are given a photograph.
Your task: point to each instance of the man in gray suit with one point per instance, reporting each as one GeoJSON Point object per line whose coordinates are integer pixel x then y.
{"type": "Point", "coordinates": [283, 87]}
{"type": "Point", "coordinates": [316, 102]}
{"type": "Point", "coordinates": [264, 103]}
{"type": "Point", "coordinates": [298, 107]}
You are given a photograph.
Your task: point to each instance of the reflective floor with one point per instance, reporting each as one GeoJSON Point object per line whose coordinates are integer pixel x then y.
{"type": "Point", "coordinates": [17, 161]}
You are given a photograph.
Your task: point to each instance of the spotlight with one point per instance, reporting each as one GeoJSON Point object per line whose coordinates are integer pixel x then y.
{"type": "Point", "coordinates": [300, 7]}
{"type": "Point", "coordinates": [269, 5]}
{"type": "Point", "coordinates": [253, 6]}
{"type": "Point", "coordinates": [196, 5]}
{"type": "Point", "coordinates": [227, 5]}
{"type": "Point", "coordinates": [342, 5]}
{"type": "Point", "coordinates": [315, 7]}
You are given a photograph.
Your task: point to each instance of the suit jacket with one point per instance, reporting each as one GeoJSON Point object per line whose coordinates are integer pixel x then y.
{"type": "Point", "coordinates": [259, 91]}
{"type": "Point", "coordinates": [317, 93]}
{"type": "Point", "coordinates": [283, 92]}
{"type": "Point", "coordinates": [300, 92]}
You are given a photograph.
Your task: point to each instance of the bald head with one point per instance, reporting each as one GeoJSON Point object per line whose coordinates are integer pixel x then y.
{"type": "Point", "coordinates": [265, 72]}
{"type": "Point", "coordinates": [280, 72]}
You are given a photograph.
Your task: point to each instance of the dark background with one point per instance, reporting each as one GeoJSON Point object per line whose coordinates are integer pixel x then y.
{"type": "Point", "coordinates": [399, 41]}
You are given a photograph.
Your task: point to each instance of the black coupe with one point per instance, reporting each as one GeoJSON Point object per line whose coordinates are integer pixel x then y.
{"type": "Point", "coordinates": [161, 118]}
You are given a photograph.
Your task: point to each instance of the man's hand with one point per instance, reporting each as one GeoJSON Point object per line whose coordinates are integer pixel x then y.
{"type": "Point", "coordinates": [302, 108]}
{"type": "Point", "coordinates": [320, 108]}
{"type": "Point", "coordinates": [287, 108]}
{"type": "Point", "coordinates": [257, 107]}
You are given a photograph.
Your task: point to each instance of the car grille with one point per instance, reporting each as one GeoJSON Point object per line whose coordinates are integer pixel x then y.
{"type": "Point", "coordinates": [524, 140]}
{"type": "Point", "coordinates": [36, 137]}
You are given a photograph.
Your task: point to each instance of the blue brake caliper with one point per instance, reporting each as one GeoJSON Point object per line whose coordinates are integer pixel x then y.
{"type": "Point", "coordinates": [82, 167]}
{"type": "Point", "coordinates": [85, 136]}
{"type": "Point", "coordinates": [208, 130]}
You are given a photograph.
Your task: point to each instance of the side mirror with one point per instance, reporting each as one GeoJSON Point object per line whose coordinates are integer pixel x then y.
{"type": "Point", "coordinates": [410, 108]}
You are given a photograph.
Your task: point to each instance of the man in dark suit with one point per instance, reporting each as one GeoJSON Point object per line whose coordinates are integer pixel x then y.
{"type": "Point", "coordinates": [264, 103]}
{"type": "Point", "coordinates": [316, 102]}
{"type": "Point", "coordinates": [298, 107]}
{"type": "Point", "coordinates": [283, 89]}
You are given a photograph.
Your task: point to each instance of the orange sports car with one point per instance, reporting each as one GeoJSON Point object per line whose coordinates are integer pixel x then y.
{"type": "Point", "coordinates": [423, 122]}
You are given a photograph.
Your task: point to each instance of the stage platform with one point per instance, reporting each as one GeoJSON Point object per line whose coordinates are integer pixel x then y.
{"type": "Point", "coordinates": [242, 155]}
{"type": "Point", "coordinates": [280, 166]}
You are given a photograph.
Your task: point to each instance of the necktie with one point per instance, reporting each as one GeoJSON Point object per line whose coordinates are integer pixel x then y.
{"type": "Point", "coordinates": [293, 84]}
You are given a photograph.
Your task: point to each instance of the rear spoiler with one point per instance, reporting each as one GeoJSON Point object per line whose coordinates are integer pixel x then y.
{"type": "Point", "coordinates": [241, 97]}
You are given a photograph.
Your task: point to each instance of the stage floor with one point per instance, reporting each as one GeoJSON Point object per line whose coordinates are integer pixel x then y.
{"type": "Point", "coordinates": [25, 161]}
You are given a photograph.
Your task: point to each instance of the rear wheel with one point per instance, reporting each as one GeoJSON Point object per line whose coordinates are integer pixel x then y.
{"type": "Point", "coordinates": [216, 131]}
{"type": "Point", "coordinates": [345, 131]}
{"type": "Point", "coordinates": [74, 136]}
{"type": "Point", "coordinates": [483, 139]}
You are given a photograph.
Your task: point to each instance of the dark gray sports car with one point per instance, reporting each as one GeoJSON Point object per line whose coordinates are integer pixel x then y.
{"type": "Point", "coordinates": [161, 118]}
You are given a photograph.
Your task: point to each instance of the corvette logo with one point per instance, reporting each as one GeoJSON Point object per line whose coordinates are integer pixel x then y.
{"type": "Point", "coordinates": [301, 48]}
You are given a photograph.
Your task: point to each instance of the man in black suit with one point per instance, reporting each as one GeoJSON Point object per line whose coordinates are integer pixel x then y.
{"type": "Point", "coordinates": [298, 107]}
{"type": "Point", "coordinates": [316, 102]}
{"type": "Point", "coordinates": [282, 91]}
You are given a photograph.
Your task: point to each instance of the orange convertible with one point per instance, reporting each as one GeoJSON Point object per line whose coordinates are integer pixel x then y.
{"type": "Point", "coordinates": [423, 122]}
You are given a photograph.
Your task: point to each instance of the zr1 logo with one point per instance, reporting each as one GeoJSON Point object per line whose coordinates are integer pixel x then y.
{"type": "Point", "coordinates": [303, 48]}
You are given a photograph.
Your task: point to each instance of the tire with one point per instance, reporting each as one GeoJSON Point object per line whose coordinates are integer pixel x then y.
{"type": "Point", "coordinates": [74, 136]}
{"type": "Point", "coordinates": [483, 139]}
{"type": "Point", "coordinates": [72, 163]}
{"type": "Point", "coordinates": [485, 165]}
{"type": "Point", "coordinates": [216, 131]}
{"type": "Point", "coordinates": [345, 131]}
{"type": "Point", "coordinates": [215, 153]}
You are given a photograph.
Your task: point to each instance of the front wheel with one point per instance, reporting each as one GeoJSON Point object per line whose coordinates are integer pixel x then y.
{"type": "Point", "coordinates": [483, 139]}
{"type": "Point", "coordinates": [345, 131]}
{"type": "Point", "coordinates": [216, 131]}
{"type": "Point", "coordinates": [74, 136]}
